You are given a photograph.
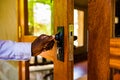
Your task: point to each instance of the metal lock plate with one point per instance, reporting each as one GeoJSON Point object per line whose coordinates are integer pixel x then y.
{"type": "Point", "coordinates": [60, 43]}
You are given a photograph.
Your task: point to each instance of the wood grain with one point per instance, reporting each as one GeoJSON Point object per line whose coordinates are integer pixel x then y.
{"type": "Point", "coordinates": [99, 23]}
{"type": "Point", "coordinates": [115, 53]}
{"type": "Point", "coordinates": [63, 16]}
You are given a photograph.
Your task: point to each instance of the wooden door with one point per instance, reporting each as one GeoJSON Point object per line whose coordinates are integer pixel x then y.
{"type": "Point", "coordinates": [99, 23]}
{"type": "Point", "coordinates": [63, 16]}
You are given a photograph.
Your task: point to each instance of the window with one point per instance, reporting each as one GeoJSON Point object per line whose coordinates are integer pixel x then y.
{"type": "Point", "coordinates": [79, 27]}
{"type": "Point", "coordinates": [39, 17]}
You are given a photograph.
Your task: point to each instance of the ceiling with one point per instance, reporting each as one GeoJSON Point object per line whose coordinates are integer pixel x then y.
{"type": "Point", "coordinates": [82, 3]}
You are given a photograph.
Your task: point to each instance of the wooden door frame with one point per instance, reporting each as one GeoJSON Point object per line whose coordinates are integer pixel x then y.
{"type": "Point", "coordinates": [99, 23]}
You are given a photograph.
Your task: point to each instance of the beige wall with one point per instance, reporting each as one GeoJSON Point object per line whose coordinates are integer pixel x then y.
{"type": "Point", "coordinates": [8, 31]}
{"type": "Point", "coordinates": [8, 20]}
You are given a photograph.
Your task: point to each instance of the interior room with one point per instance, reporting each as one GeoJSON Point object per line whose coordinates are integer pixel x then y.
{"type": "Point", "coordinates": [78, 54]}
{"type": "Point", "coordinates": [11, 30]}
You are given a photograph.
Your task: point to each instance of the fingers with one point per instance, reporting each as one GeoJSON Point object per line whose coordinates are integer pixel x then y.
{"type": "Point", "coordinates": [49, 45]}
{"type": "Point", "coordinates": [47, 39]}
{"type": "Point", "coordinates": [44, 36]}
{"type": "Point", "coordinates": [42, 43]}
{"type": "Point", "coordinates": [48, 42]}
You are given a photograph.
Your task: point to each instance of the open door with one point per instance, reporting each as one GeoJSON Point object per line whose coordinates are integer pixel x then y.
{"type": "Point", "coordinates": [63, 16]}
{"type": "Point", "coordinates": [62, 57]}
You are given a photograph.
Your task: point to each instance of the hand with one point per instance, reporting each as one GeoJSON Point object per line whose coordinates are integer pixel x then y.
{"type": "Point", "coordinates": [42, 43]}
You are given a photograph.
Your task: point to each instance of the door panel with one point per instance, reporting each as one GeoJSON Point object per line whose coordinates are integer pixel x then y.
{"type": "Point", "coordinates": [63, 16]}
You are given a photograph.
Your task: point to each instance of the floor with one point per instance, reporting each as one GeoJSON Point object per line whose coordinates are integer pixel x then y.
{"type": "Point", "coordinates": [80, 71]}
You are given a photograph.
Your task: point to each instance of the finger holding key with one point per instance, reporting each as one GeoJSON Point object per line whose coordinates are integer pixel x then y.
{"type": "Point", "coordinates": [42, 43]}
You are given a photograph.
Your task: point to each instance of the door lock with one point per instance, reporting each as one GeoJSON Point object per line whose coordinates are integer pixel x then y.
{"type": "Point", "coordinates": [59, 37]}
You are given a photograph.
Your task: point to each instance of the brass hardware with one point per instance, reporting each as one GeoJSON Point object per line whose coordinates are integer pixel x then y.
{"type": "Point", "coordinates": [19, 32]}
{"type": "Point", "coordinates": [71, 38]}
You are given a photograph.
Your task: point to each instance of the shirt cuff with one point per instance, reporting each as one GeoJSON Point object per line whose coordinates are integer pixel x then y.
{"type": "Point", "coordinates": [23, 51]}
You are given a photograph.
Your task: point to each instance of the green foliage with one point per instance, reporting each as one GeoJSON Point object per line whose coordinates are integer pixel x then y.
{"type": "Point", "coordinates": [33, 26]}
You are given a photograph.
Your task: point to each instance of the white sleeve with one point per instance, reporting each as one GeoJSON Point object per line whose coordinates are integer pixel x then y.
{"type": "Point", "coordinates": [15, 50]}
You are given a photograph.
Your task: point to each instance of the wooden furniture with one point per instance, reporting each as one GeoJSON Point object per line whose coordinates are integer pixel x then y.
{"type": "Point", "coordinates": [115, 53]}
{"type": "Point", "coordinates": [114, 58]}
{"type": "Point", "coordinates": [114, 44]}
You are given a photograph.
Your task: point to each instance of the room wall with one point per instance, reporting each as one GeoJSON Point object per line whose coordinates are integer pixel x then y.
{"type": "Point", "coordinates": [8, 20]}
{"type": "Point", "coordinates": [8, 31]}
